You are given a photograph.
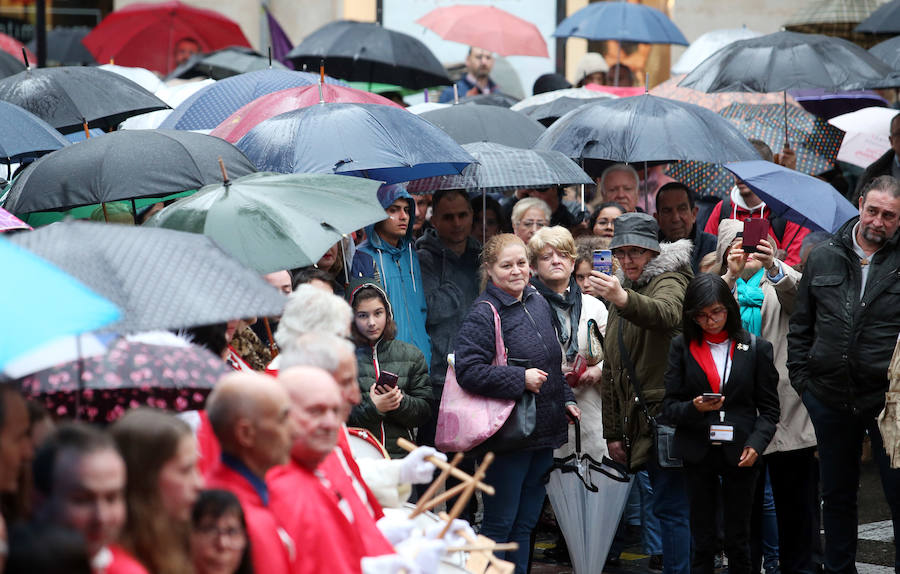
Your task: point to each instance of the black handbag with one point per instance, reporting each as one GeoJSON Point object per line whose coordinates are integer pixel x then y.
{"type": "Point", "coordinates": [663, 434]}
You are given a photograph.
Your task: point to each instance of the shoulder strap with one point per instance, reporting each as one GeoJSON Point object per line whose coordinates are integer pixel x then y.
{"type": "Point", "coordinates": [725, 210]}
{"type": "Point", "coordinates": [632, 375]}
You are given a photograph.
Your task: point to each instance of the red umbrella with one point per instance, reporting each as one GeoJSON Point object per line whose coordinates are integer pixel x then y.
{"type": "Point", "coordinates": [147, 35]}
{"type": "Point", "coordinates": [487, 27]}
{"type": "Point", "coordinates": [12, 46]}
{"type": "Point", "coordinates": [270, 105]}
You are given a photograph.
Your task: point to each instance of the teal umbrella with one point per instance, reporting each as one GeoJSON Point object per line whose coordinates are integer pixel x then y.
{"type": "Point", "coordinates": [272, 221]}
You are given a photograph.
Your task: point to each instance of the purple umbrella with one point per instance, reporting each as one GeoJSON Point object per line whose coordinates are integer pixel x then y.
{"type": "Point", "coordinates": [828, 105]}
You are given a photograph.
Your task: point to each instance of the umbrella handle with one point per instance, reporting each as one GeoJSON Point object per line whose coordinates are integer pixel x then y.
{"type": "Point", "coordinates": [577, 433]}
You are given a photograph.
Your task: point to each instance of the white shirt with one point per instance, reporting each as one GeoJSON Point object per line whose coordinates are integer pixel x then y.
{"type": "Point", "coordinates": [720, 354]}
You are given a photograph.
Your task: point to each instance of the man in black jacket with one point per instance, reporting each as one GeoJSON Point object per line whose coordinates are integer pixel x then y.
{"type": "Point", "coordinates": [842, 334]}
{"type": "Point", "coordinates": [676, 213]}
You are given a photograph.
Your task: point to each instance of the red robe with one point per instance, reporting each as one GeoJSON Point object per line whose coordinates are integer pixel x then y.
{"type": "Point", "coordinates": [272, 550]}
{"type": "Point", "coordinates": [208, 447]}
{"type": "Point", "coordinates": [122, 563]}
{"type": "Point", "coordinates": [792, 232]}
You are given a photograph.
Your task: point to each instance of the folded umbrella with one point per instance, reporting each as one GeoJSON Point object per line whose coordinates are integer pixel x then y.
{"type": "Point", "coordinates": [272, 221]}
{"type": "Point", "coordinates": [31, 137]}
{"type": "Point", "coordinates": [487, 27]}
{"type": "Point", "coordinates": [470, 124]}
{"type": "Point", "coordinates": [801, 198]}
{"type": "Point", "coordinates": [159, 278]}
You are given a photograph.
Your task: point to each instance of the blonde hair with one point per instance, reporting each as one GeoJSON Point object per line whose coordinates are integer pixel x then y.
{"type": "Point", "coordinates": [557, 237]}
{"type": "Point", "coordinates": [524, 205]}
{"type": "Point", "coordinates": [491, 253]}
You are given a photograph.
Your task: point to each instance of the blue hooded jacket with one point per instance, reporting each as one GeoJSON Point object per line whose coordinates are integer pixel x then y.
{"type": "Point", "coordinates": [397, 270]}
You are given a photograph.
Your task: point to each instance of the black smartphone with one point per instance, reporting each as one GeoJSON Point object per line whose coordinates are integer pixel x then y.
{"type": "Point", "coordinates": [711, 397]}
{"type": "Point", "coordinates": [387, 380]}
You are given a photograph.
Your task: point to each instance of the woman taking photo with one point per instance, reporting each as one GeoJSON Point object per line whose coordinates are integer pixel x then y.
{"type": "Point", "coordinates": [722, 397]}
{"type": "Point", "coordinates": [533, 366]}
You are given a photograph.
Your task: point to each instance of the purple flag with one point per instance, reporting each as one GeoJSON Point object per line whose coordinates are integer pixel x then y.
{"type": "Point", "coordinates": [281, 44]}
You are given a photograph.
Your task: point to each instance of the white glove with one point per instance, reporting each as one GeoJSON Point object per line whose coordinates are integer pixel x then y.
{"type": "Point", "coordinates": [425, 553]}
{"type": "Point", "coordinates": [387, 564]}
{"type": "Point", "coordinates": [453, 537]}
{"type": "Point", "coordinates": [396, 530]}
{"type": "Point", "coordinates": [414, 469]}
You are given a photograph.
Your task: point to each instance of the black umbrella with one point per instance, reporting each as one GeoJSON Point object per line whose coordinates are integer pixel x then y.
{"type": "Point", "coordinates": [888, 52]}
{"type": "Point", "coordinates": [495, 99]}
{"type": "Point", "coordinates": [884, 20]}
{"type": "Point", "coordinates": [64, 47]}
{"type": "Point", "coordinates": [366, 52]}
{"type": "Point", "coordinates": [224, 63]}
{"type": "Point", "coordinates": [32, 136]}
{"type": "Point", "coordinates": [159, 278]}
{"type": "Point", "coordinates": [124, 165]}
{"type": "Point", "coordinates": [646, 129]}
{"type": "Point", "coordinates": [9, 65]}
{"type": "Point", "coordinates": [67, 97]}
{"type": "Point", "coordinates": [553, 110]}
{"type": "Point", "coordinates": [471, 124]}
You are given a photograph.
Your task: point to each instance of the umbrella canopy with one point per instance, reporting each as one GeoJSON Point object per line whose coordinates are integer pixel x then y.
{"type": "Point", "coordinates": [31, 137]}
{"type": "Point", "coordinates": [64, 47]}
{"type": "Point", "coordinates": [716, 101]}
{"type": "Point", "coordinates": [548, 113]}
{"type": "Point", "coordinates": [9, 65]}
{"type": "Point", "coordinates": [547, 97]}
{"type": "Point", "coordinates": [621, 21]}
{"type": "Point", "coordinates": [67, 97]}
{"type": "Point", "coordinates": [14, 48]}
{"type": "Point", "coordinates": [140, 76]}
{"type": "Point", "coordinates": [249, 116]}
{"type": "Point", "coordinates": [486, 27]}
{"type": "Point", "coordinates": [366, 52]}
{"type": "Point", "coordinates": [646, 129]}
{"type": "Point", "coordinates": [147, 34]}
{"type": "Point", "coordinates": [9, 222]}
{"type": "Point", "coordinates": [828, 104]}
{"type": "Point", "coordinates": [866, 137]}
{"type": "Point", "coordinates": [836, 18]}
{"type": "Point", "coordinates": [159, 278]}
{"type": "Point", "coordinates": [801, 198]}
{"type": "Point", "coordinates": [708, 180]}
{"type": "Point", "coordinates": [225, 63]}
{"type": "Point", "coordinates": [501, 168]}
{"type": "Point", "coordinates": [495, 99]}
{"type": "Point", "coordinates": [271, 221]}
{"type": "Point", "coordinates": [40, 303]}
{"type": "Point", "coordinates": [884, 20]}
{"type": "Point", "coordinates": [784, 61]}
{"type": "Point", "coordinates": [888, 52]}
{"type": "Point", "coordinates": [176, 376]}
{"type": "Point", "coordinates": [124, 165]}
{"type": "Point", "coordinates": [470, 124]}
{"type": "Point", "coordinates": [209, 107]}
{"type": "Point", "coordinates": [172, 95]}
{"type": "Point", "coordinates": [368, 140]}
{"type": "Point", "coordinates": [707, 45]}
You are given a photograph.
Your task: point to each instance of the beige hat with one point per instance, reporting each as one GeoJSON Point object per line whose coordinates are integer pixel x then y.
{"type": "Point", "coordinates": [591, 63]}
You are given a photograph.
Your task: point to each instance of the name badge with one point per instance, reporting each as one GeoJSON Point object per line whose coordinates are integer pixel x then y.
{"type": "Point", "coordinates": [721, 433]}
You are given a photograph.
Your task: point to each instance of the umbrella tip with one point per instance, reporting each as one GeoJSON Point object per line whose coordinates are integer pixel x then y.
{"type": "Point", "coordinates": [270, 57]}
{"type": "Point", "coordinates": [225, 180]}
{"type": "Point", "coordinates": [25, 57]}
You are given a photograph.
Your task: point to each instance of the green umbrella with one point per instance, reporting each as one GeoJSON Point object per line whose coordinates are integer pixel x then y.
{"type": "Point", "coordinates": [272, 221]}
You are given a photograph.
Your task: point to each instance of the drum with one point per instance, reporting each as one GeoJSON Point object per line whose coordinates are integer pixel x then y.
{"type": "Point", "coordinates": [363, 444]}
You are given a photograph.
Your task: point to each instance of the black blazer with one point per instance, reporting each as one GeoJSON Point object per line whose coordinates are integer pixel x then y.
{"type": "Point", "coordinates": [751, 399]}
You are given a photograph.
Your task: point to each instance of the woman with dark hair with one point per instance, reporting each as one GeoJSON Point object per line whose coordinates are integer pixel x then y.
{"type": "Point", "coordinates": [602, 222]}
{"type": "Point", "coordinates": [721, 395]}
{"type": "Point", "coordinates": [219, 543]}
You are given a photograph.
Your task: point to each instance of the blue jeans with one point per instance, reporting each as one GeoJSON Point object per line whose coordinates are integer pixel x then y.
{"type": "Point", "coordinates": [672, 509]}
{"type": "Point", "coordinates": [650, 530]}
{"type": "Point", "coordinates": [840, 436]}
{"type": "Point", "coordinates": [512, 513]}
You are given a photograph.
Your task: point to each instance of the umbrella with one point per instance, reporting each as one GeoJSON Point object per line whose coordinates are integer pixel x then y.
{"type": "Point", "coordinates": [487, 27]}
{"type": "Point", "coordinates": [264, 107]}
{"type": "Point", "coordinates": [866, 138]}
{"type": "Point", "coordinates": [169, 373]}
{"type": "Point", "coordinates": [801, 198]}
{"type": "Point", "coordinates": [9, 65]}
{"type": "Point", "coordinates": [67, 97]}
{"type": "Point", "coordinates": [784, 61]}
{"type": "Point", "coordinates": [548, 113]}
{"type": "Point", "coordinates": [815, 142]}
{"type": "Point", "coordinates": [209, 107]}
{"type": "Point", "coordinates": [470, 124]}
{"type": "Point", "coordinates": [273, 221]}
{"type": "Point", "coordinates": [423, 107]}
{"type": "Point", "coordinates": [161, 279]}
{"type": "Point", "coordinates": [140, 76]}
{"type": "Point", "coordinates": [64, 47]}
{"type": "Point", "coordinates": [172, 95]}
{"type": "Point", "coordinates": [888, 52]}
{"type": "Point", "coordinates": [836, 18]}
{"type": "Point", "coordinates": [495, 99]}
{"type": "Point", "coordinates": [884, 20]}
{"type": "Point", "coordinates": [9, 222]}
{"type": "Point", "coordinates": [501, 168]}
{"type": "Point", "coordinates": [716, 101]}
{"type": "Point", "coordinates": [621, 21]}
{"type": "Point", "coordinates": [40, 303]}
{"type": "Point", "coordinates": [646, 129]}
{"type": "Point", "coordinates": [828, 104]}
{"type": "Point", "coordinates": [367, 52]}
{"type": "Point", "coordinates": [58, 351]}
{"type": "Point", "coordinates": [889, 418]}
{"type": "Point", "coordinates": [225, 63]}
{"type": "Point", "coordinates": [708, 44]}
{"type": "Point", "coordinates": [147, 35]}
{"type": "Point", "coordinates": [123, 165]}
{"type": "Point", "coordinates": [368, 140]}
{"type": "Point", "coordinates": [14, 48]}
{"type": "Point", "coordinates": [31, 137]}
{"type": "Point", "coordinates": [708, 180]}
{"type": "Point", "coordinates": [547, 97]}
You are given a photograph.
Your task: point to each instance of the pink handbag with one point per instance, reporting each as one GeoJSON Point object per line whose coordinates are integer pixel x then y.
{"type": "Point", "coordinates": [466, 420]}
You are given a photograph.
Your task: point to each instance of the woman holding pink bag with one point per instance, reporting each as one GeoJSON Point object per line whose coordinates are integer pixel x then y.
{"type": "Point", "coordinates": [533, 366]}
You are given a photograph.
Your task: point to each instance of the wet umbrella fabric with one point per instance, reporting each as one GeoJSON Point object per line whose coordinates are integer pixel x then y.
{"type": "Point", "coordinates": [496, 99]}
{"type": "Point", "coordinates": [159, 278]}
{"type": "Point", "coordinates": [272, 221]}
{"type": "Point", "coordinates": [64, 47]}
{"type": "Point", "coordinates": [707, 180]}
{"type": "Point", "coordinates": [124, 165]}
{"type": "Point", "coordinates": [828, 104]}
{"type": "Point", "coordinates": [719, 100]}
{"type": "Point", "coordinates": [646, 129]}
{"type": "Point", "coordinates": [707, 45]}
{"type": "Point", "coordinates": [621, 21]}
{"type": "Point", "coordinates": [66, 97]}
{"type": "Point", "coordinates": [367, 52]}
{"type": "Point", "coordinates": [168, 374]}
{"type": "Point", "coordinates": [366, 140]}
{"type": "Point", "coordinates": [548, 113]}
{"type": "Point", "coordinates": [10, 66]}
{"type": "Point", "coordinates": [225, 63]}
{"type": "Point", "coordinates": [470, 124]}
{"type": "Point", "coordinates": [801, 198]}
{"type": "Point", "coordinates": [210, 106]}
{"type": "Point", "coordinates": [31, 137]}
{"type": "Point", "coordinates": [884, 20]}
{"type": "Point", "coordinates": [888, 52]}
{"type": "Point", "coordinates": [13, 47]}
{"type": "Point", "coordinates": [487, 27]}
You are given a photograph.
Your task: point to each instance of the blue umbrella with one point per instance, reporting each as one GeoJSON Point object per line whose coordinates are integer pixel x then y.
{"type": "Point", "coordinates": [366, 140]}
{"type": "Point", "coordinates": [40, 303]}
{"type": "Point", "coordinates": [31, 137]}
{"type": "Point", "coordinates": [801, 198]}
{"type": "Point", "coordinates": [209, 107]}
{"type": "Point", "coordinates": [622, 21]}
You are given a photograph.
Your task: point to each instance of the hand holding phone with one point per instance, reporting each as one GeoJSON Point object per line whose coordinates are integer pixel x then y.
{"type": "Point", "coordinates": [386, 381]}
{"type": "Point", "coordinates": [711, 397]}
{"type": "Point", "coordinates": [755, 229]}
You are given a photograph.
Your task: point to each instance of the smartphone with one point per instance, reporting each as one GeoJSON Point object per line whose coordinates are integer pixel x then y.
{"type": "Point", "coordinates": [387, 380]}
{"type": "Point", "coordinates": [602, 260]}
{"type": "Point", "coordinates": [755, 229]}
{"type": "Point", "coordinates": [711, 397]}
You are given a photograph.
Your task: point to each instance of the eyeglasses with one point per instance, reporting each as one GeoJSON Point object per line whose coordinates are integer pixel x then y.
{"type": "Point", "coordinates": [533, 224]}
{"type": "Point", "coordinates": [632, 253]}
{"type": "Point", "coordinates": [605, 222]}
{"type": "Point", "coordinates": [231, 536]}
{"type": "Point", "coordinates": [714, 315]}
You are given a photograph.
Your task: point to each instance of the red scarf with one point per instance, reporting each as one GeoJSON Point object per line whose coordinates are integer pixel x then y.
{"type": "Point", "coordinates": [703, 355]}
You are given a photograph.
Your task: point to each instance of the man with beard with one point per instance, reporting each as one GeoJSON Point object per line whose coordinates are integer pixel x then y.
{"type": "Point", "coordinates": [842, 334]}
{"type": "Point", "coordinates": [477, 79]}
